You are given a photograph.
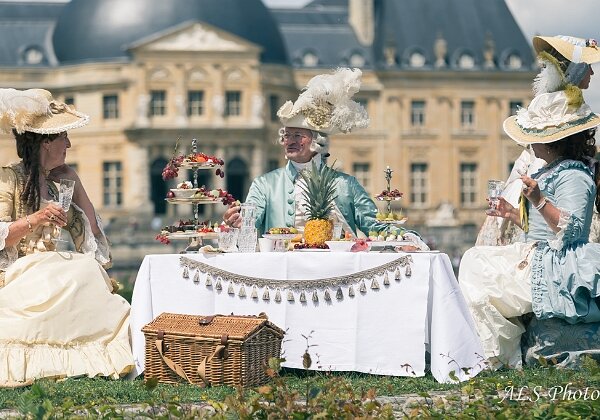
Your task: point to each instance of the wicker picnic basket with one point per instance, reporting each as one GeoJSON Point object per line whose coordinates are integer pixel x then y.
{"type": "Point", "coordinates": [210, 350]}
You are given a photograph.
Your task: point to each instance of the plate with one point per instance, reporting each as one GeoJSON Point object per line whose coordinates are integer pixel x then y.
{"type": "Point", "coordinates": [312, 250]}
{"type": "Point", "coordinates": [388, 198]}
{"type": "Point", "coordinates": [279, 236]}
{"type": "Point", "coordinates": [390, 243]}
{"type": "Point", "coordinates": [393, 222]}
{"type": "Point", "coordinates": [203, 200]}
{"type": "Point", "coordinates": [183, 235]}
{"type": "Point", "coordinates": [197, 165]}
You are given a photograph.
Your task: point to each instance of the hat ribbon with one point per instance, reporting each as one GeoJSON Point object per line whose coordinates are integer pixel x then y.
{"type": "Point", "coordinates": [58, 107]}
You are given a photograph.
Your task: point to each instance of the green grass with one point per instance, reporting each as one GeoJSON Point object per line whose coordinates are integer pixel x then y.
{"type": "Point", "coordinates": [86, 391]}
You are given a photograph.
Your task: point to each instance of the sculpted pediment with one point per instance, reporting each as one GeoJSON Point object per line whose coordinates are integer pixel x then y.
{"type": "Point", "coordinates": [194, 36]}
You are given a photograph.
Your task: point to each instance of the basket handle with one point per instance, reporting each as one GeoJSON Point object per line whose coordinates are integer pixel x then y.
{"type": "Point", "coordinates": [219, 353]}
{"type": "Point", "coordinates": [173, 365]}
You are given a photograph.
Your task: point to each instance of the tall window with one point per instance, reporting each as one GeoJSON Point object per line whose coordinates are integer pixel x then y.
{"type": "Point", "coordinates": [110, 107]}
{"type": "Point", "coordinates": [233, 99]}
{"type": "Point", "coordinates": [467, 114]}
{"type": "Point", "coordinates": [112, 183]}
{"type": "Point", "coordinates": [158, 102]}
{"type": "Point", "coordinates": [272, 164]}
{"type": "Point", "coordinates": [362, 172]}
{"type": "Point", "coordinates": [468, 184]}
{"type": "Point", "coordinates": [419, 184]}
{"type": "Point", "coordinates": [514, 107]}
{"type": "Point", "coordinates": [69, 100]}
{"type": "Point", "coordinates": [364, 102]}
{"type": "Point", "coordinates": [417, 113]}
{"type": "Point", "coordinates": [195, 102]}
{"type": "Point", "coordinates": [273, 107]}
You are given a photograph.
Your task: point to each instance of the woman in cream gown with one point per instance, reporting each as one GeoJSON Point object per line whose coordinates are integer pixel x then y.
{"type": "Point", "coordinates": [58, 315]}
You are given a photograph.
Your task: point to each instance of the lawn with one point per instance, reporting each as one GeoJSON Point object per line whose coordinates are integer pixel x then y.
{"type": "Point", "coordinates": [489, 394]}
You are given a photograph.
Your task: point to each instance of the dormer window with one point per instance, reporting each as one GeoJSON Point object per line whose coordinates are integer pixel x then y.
{"type": "Point", "coordinates": [466, 61]}
{"type": "Point", "coordinates": [33, 55]}
{"type": "Point", "coordinates": [310, 59]}
{"type": "Point", "coordinates": [357, 60]}
{"type": "Point", "coordinates": [416, 60]}
{"type": "Point", "coordinates": [514, 62]}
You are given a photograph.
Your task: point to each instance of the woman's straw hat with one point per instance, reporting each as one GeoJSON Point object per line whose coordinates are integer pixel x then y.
{"type": "Point", "coordinates": [577, 50]}
{"type": "Point", "coordinates": [551, 117]}
{"type": "Point", "coordinates": [36, 111]}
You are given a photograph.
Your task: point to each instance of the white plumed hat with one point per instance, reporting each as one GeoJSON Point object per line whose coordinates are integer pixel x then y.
{"type": "Point", "coordinates": [325, 105]}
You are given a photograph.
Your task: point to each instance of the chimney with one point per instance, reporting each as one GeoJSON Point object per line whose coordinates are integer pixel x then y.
{"type": "Point", "coordinates": [361, 16]}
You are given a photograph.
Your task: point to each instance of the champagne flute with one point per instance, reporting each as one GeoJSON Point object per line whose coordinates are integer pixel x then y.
{"type": "Point", "coordinates": [65, 195]}
{"type": "Point", "coordinates": [495, 188]}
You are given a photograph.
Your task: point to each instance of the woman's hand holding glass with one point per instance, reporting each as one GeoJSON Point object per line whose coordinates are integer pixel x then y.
{"type": "Point", "coordinates": [51, 214]}
{"type": "Point", "coordinates": [65, 195]}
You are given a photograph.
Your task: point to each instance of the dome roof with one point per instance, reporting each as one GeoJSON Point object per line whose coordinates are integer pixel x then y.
{"type": "Point", "coordinates": [91, 30]}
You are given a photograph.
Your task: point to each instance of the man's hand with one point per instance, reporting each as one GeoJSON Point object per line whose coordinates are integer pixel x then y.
{"type": "Point", "coordinates": [232, 215]}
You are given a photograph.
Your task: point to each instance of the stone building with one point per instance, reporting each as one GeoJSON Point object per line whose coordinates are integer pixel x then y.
{"type": "Point", "coordinates": [439, 77]}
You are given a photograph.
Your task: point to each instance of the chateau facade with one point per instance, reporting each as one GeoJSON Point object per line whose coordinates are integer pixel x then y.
{"type": "Point", "coordinates": [439, 77]}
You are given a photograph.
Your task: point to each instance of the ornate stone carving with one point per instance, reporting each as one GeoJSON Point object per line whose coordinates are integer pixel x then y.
{"type": "Point", "coordinates": [440, 49]}
{"type": "Point", "coordinates": [196, 38]}
{"type": "Point", "coordinates": [489, 48]}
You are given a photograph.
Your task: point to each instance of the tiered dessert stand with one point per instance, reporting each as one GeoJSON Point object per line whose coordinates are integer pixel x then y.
{"type": "Point", "coordinates": [194, 237]}
{"type": "Point", "coordinates": [388, 198]}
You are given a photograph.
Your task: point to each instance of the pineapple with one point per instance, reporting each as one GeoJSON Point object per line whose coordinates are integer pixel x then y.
{"type": "Point", "coordinates": [319, 193]}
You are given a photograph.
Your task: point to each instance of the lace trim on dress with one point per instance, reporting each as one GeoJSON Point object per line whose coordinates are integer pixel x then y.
{"type": "Point", "coordinates": [538, 285]}
{"type": "Point", "coordinates": [551, 171]}
{"type": "Point", "coordinates": [95, 247]}
{"type": "Point", "coordinates": [7, 255]}
{"type": "Point", "coordinates": [570, 230]}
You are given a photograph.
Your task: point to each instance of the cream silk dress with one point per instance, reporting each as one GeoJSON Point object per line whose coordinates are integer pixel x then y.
{"type": "Point", "coordinates": [58, 317]}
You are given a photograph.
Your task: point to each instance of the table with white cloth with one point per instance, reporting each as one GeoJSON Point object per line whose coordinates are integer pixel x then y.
{"type": "Point", "coordinates": [368, 312]}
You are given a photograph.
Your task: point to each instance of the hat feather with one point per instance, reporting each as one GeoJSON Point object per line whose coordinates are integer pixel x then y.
{"type": "Point", "coordinates": [18, 108]}
{"type": "Point", "coordinates": [551, 78]}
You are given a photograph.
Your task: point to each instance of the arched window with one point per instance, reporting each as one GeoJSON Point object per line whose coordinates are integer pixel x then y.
{"type": "Point", "coordinates": [466, 61]}
{"type": "Point", "coordinates": [33, 55]}
{"type": "Point", "coordinates": [236, 174]}
{"type": "Point", "coordinates": [514, 62]}
{"type": "Point", "coordinates": [310, 59]}
{"type": "Point", "coordinates": [357, 60]}
{"type": "Point", "coordinates": [416, 59]}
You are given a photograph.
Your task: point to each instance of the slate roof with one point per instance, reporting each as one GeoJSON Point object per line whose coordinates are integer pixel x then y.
{"type": "Point", "coordinates": [322, 28]}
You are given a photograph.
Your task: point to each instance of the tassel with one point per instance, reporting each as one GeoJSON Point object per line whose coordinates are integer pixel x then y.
{"type": "Point", "coordinates": [254, 294]}
{"type": "Point", "coordinates": [363, 287]}
{"type": "Point", "coordinates": [302, 297]}
{"type": "Point", "coordinates": [242, 292]}
{"type": "Point", "coordinates": [186, 273]}
{"type": "Point", "coordinates": [339, 295]}
{"type": "Point", "coordinates": [351, 291]}
{"type": "Point", "coordinates": [397, 274]}
{"type": "Point", "coordinates": [218, 286]}
{"type": "Point", "coordinates": [208, 279]}
{"type": "Point", "coordinates": [290, 296]}
{"type": "Point", "coordinates": [327, 295]}
{"type": "Point", "coordinates": [524, 213]}
{"type": "Point", "coordinates": [315, 297]}
{"type": "Point", "coordinates": [230, 289]}
{"type": "Point", "coordinates": [277, 296]}
{"type": "Point", "coordinates": [266, 295]}
{"type": "Point", "coordinates": [386, 279]}
{"type": "Point", "coordinates": [408, 271]}
{"type": "Point", "coordinates": [374, 284]}
{"type": "Point", "coordinates": [196, 279]}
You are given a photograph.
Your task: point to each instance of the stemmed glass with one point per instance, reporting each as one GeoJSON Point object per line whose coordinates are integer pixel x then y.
{"type": "Point", "coordinates": [65, 195]}
{"type": "Point", "coordinates": [495, 188]}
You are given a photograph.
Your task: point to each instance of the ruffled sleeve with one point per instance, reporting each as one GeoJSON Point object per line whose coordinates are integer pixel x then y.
{"type": "Point", "coordinates": [573, 194]}
{"type": "Point", "coordinates": [8, 181]}
{"type": "Point", "coordinates": [85, 242]}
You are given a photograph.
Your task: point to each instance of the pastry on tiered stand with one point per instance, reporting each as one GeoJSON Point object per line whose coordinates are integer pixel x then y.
{"type": "Point", "coordinates": [190, 193]}
{"type": "Point", "coordinates": [390, 216]}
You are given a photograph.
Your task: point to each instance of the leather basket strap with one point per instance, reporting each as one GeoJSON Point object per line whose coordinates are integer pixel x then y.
{"type": "Point", "coordinates": [172, 365]}
{"type": "Point", "coordinates": [219, 353]}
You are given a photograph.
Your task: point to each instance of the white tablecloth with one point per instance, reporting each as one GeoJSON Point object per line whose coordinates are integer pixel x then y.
{"type": "Point", "coordinates": [384, 331]}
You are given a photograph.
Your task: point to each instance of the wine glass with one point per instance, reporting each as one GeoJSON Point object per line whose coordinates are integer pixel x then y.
{"type": "Point", "coordinates": [65, 195]}
{"type": "Point", "coordinates": [495, 188]}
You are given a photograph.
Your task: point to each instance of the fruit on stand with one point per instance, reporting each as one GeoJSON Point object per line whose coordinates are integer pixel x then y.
{"type": "Point", "coordinates": [319, 193]}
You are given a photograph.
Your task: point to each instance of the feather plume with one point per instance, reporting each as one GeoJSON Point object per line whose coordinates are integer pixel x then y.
{"type": "Point", "coordinates": [551, 78]}
{"type": "Point", "coordinates": [18, 108]}
{"type": "Point", "coordinates": [574, 96]}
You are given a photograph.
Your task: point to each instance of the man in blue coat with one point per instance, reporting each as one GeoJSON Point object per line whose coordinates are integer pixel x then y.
{"type": "Point", "coordinates": [325, 107]}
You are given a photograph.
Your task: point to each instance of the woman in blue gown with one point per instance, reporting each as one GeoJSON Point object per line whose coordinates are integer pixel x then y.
{"type": "Point", "coordinates": [553, 270]}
